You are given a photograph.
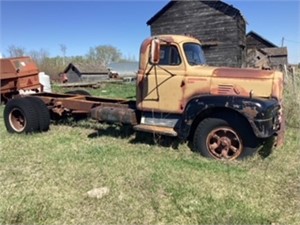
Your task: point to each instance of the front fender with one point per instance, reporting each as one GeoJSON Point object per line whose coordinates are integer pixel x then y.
{"type": "Point", "coordinates": [262, 114]}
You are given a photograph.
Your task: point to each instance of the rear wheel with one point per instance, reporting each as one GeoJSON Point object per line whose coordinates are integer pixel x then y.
{"type": "Point", "coordinates": [225, 137]}
{"type": "Point", "coordinates": [20, 116]}
{"type": "Point", "coordinates": [42, 112]}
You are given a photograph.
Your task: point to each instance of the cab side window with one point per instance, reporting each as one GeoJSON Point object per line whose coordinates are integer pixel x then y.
{"type": "Point", "coordinates": [169, 55]}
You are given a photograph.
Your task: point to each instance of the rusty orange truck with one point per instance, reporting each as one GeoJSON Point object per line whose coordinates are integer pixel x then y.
{"type": "Point", "coordinates": [226, 113]}
{"type": "Point", "coordinates": [19, 73]}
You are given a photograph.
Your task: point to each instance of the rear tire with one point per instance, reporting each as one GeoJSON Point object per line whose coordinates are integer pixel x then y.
{"type": "Point", "coordinates": [20, 116]}
{"type": "Point", "coordinates": [42, 112]}
{"type": "Point", "coordinates": [225, 137]}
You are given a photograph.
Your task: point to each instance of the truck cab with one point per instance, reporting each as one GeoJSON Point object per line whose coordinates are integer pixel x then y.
{"type": "Point", "coordinates": [176, 89]}
{"type": "Point", "coordinates": [168, 78]}
{"type": "Point", "coordinates": [181, 74]}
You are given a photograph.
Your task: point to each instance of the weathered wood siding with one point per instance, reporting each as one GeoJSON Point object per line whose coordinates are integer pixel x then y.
{"type": "Point", "coordinates": [276, 57]}
{"type": "Point", "coordinates": [253, 42]}
{"type": "Point", "coordinates": [73, 75]}
{"type": "Point", "coordinates": [208, 24]}
{"type": "Point", "coordinates": [241, 41]}
{"type": "Point", "coordinates": [278, 62]}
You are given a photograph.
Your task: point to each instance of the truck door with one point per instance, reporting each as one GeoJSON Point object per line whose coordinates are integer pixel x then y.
{"type": "Point", "coordinates": [161, 86]}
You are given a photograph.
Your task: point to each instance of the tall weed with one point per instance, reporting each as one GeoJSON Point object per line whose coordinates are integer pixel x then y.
{"type": "Point", "coordinates": [292, 100]}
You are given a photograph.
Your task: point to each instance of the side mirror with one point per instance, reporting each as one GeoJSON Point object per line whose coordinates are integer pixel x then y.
{"type": "Point", "coordinates": [155, 51]}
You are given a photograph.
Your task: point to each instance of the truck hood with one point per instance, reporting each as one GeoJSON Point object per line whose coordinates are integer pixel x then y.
{"type": "Point", "coordinates": [242, 73]}
{"type": "Point", "coordinates": [246, 82]}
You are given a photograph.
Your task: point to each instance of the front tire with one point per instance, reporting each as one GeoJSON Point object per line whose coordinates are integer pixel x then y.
{"type": "Point", "coordinates": [225, 137]}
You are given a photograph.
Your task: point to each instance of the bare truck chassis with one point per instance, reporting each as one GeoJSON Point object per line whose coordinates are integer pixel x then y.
{"type": "Point", "coordinates": [101, 109]}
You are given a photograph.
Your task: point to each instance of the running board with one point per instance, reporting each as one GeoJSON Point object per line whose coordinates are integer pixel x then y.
{"type": "Point", "coordinates": [168, 131]}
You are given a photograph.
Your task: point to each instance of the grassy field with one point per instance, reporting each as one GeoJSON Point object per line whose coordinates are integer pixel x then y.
{"type": "Point", "coordinates": [44, 178]}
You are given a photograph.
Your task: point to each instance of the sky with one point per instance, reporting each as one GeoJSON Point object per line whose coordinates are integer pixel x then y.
{"type": "Point", "coordinates": [79, 25]}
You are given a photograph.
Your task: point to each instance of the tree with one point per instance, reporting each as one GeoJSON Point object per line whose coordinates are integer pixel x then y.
{"type": "Point", "coordinates": [15, 51]}
{"type": "Point", "coordinates": [104, 54]}
{"type": "Point", "coordinates": [39, 56]}
{"type": "Point", "coordinates": [129, 58]}
{"type": "Point", "coordinates": [63, 49]}
{"type": "Point", "coordinates": [51, 66]}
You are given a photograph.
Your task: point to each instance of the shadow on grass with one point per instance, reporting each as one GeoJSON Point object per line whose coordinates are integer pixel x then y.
{"type": "Point", "coordinates": [267, 148]}
{"type": "Point", "coordinates": [156, 139]}
{"type": "Point", "coordinates": [119, 131]}
{"type": "Point", "coordinates": [113, 130]}
{"type": "Point", "coordinates": [101, 129]}
{"type": "Point", "coordinates": [126, 132]}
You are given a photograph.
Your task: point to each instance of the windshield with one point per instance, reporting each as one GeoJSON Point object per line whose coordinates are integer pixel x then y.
{"type": "Point", "coordinates": [194, 54]}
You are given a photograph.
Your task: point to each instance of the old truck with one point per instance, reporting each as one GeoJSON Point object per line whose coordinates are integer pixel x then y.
{"type": "Point", "coordinates": [226, 113]}
{"type": "Point", "coordinates": [19, 73]}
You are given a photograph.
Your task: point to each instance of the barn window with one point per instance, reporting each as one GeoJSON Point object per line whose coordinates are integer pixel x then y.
{"type": "Point", "coordinates": [194, 54]}
{"type": "Point", "coordinates": [169, 55]}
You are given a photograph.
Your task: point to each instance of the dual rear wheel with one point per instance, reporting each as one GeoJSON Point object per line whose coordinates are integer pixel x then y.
{"type": "Point", "coordinates": [26, 115]}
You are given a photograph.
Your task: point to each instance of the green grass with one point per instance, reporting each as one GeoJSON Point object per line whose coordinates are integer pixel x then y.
{"type": "Point", "coordinates": [44, 179]}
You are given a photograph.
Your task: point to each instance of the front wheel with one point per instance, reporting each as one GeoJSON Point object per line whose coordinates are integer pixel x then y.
{"type": "Point", "coordinates": [225, 138]}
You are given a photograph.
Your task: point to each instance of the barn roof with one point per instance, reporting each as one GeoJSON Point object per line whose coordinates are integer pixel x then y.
{"type": "Point", "coordinates": [87, 68]}
{"type": "Point", "coordinates": [218, 5]}
{"type": "Point", "coordinates": [261, 39]}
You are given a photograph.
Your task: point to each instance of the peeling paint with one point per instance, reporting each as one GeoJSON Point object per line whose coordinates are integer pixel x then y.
{"type": "Point", "coordinates": [251, 112]}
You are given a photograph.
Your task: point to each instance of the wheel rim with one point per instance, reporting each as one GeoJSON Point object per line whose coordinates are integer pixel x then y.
{"type": "Point", "coordinates": [17, 120]}
{"type": "Point", "coordinates": [224, 143]}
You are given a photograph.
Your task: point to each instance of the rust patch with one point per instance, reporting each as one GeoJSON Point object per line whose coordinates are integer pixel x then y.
{"type": "Point", "coordinates": [251, 112]}
{"type": "Point", "coordinates": [114, 114]}
{"type": "Point", "coordinates": [242, 73]}
{"type": "Point", "coordinates": [187, 98]}
{"type": "Point", "coordinates": [167, 39]}
{"type": "Point", "coordinates": [277, 89]}
{"type": "Point", "coordinates": [194, 80]}
{"type": "Point", "coordinates": [18, 73]}
{"type": "Point", "coordinates": [229, 90]}
{"type": "Point", "coordinates": [156, 129]}
{"type": "Point", "coordinates": [146, 42]}
{"type": "Point", "coordinates": [144, 45]}
{"type": "Point", "coordinates": [191, 83]}
{"type": "Point", "coordinates": [58, 108]}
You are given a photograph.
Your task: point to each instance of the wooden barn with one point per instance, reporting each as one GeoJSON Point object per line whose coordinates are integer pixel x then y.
{"type": "Point", "coordinates": [220, 27]}
{"type": "Point", "coordinates": [263, 54]}
{"type": "Point", "coordinates": [84, 72]}
{"type": "Point", "coordinates": [253, 40]}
